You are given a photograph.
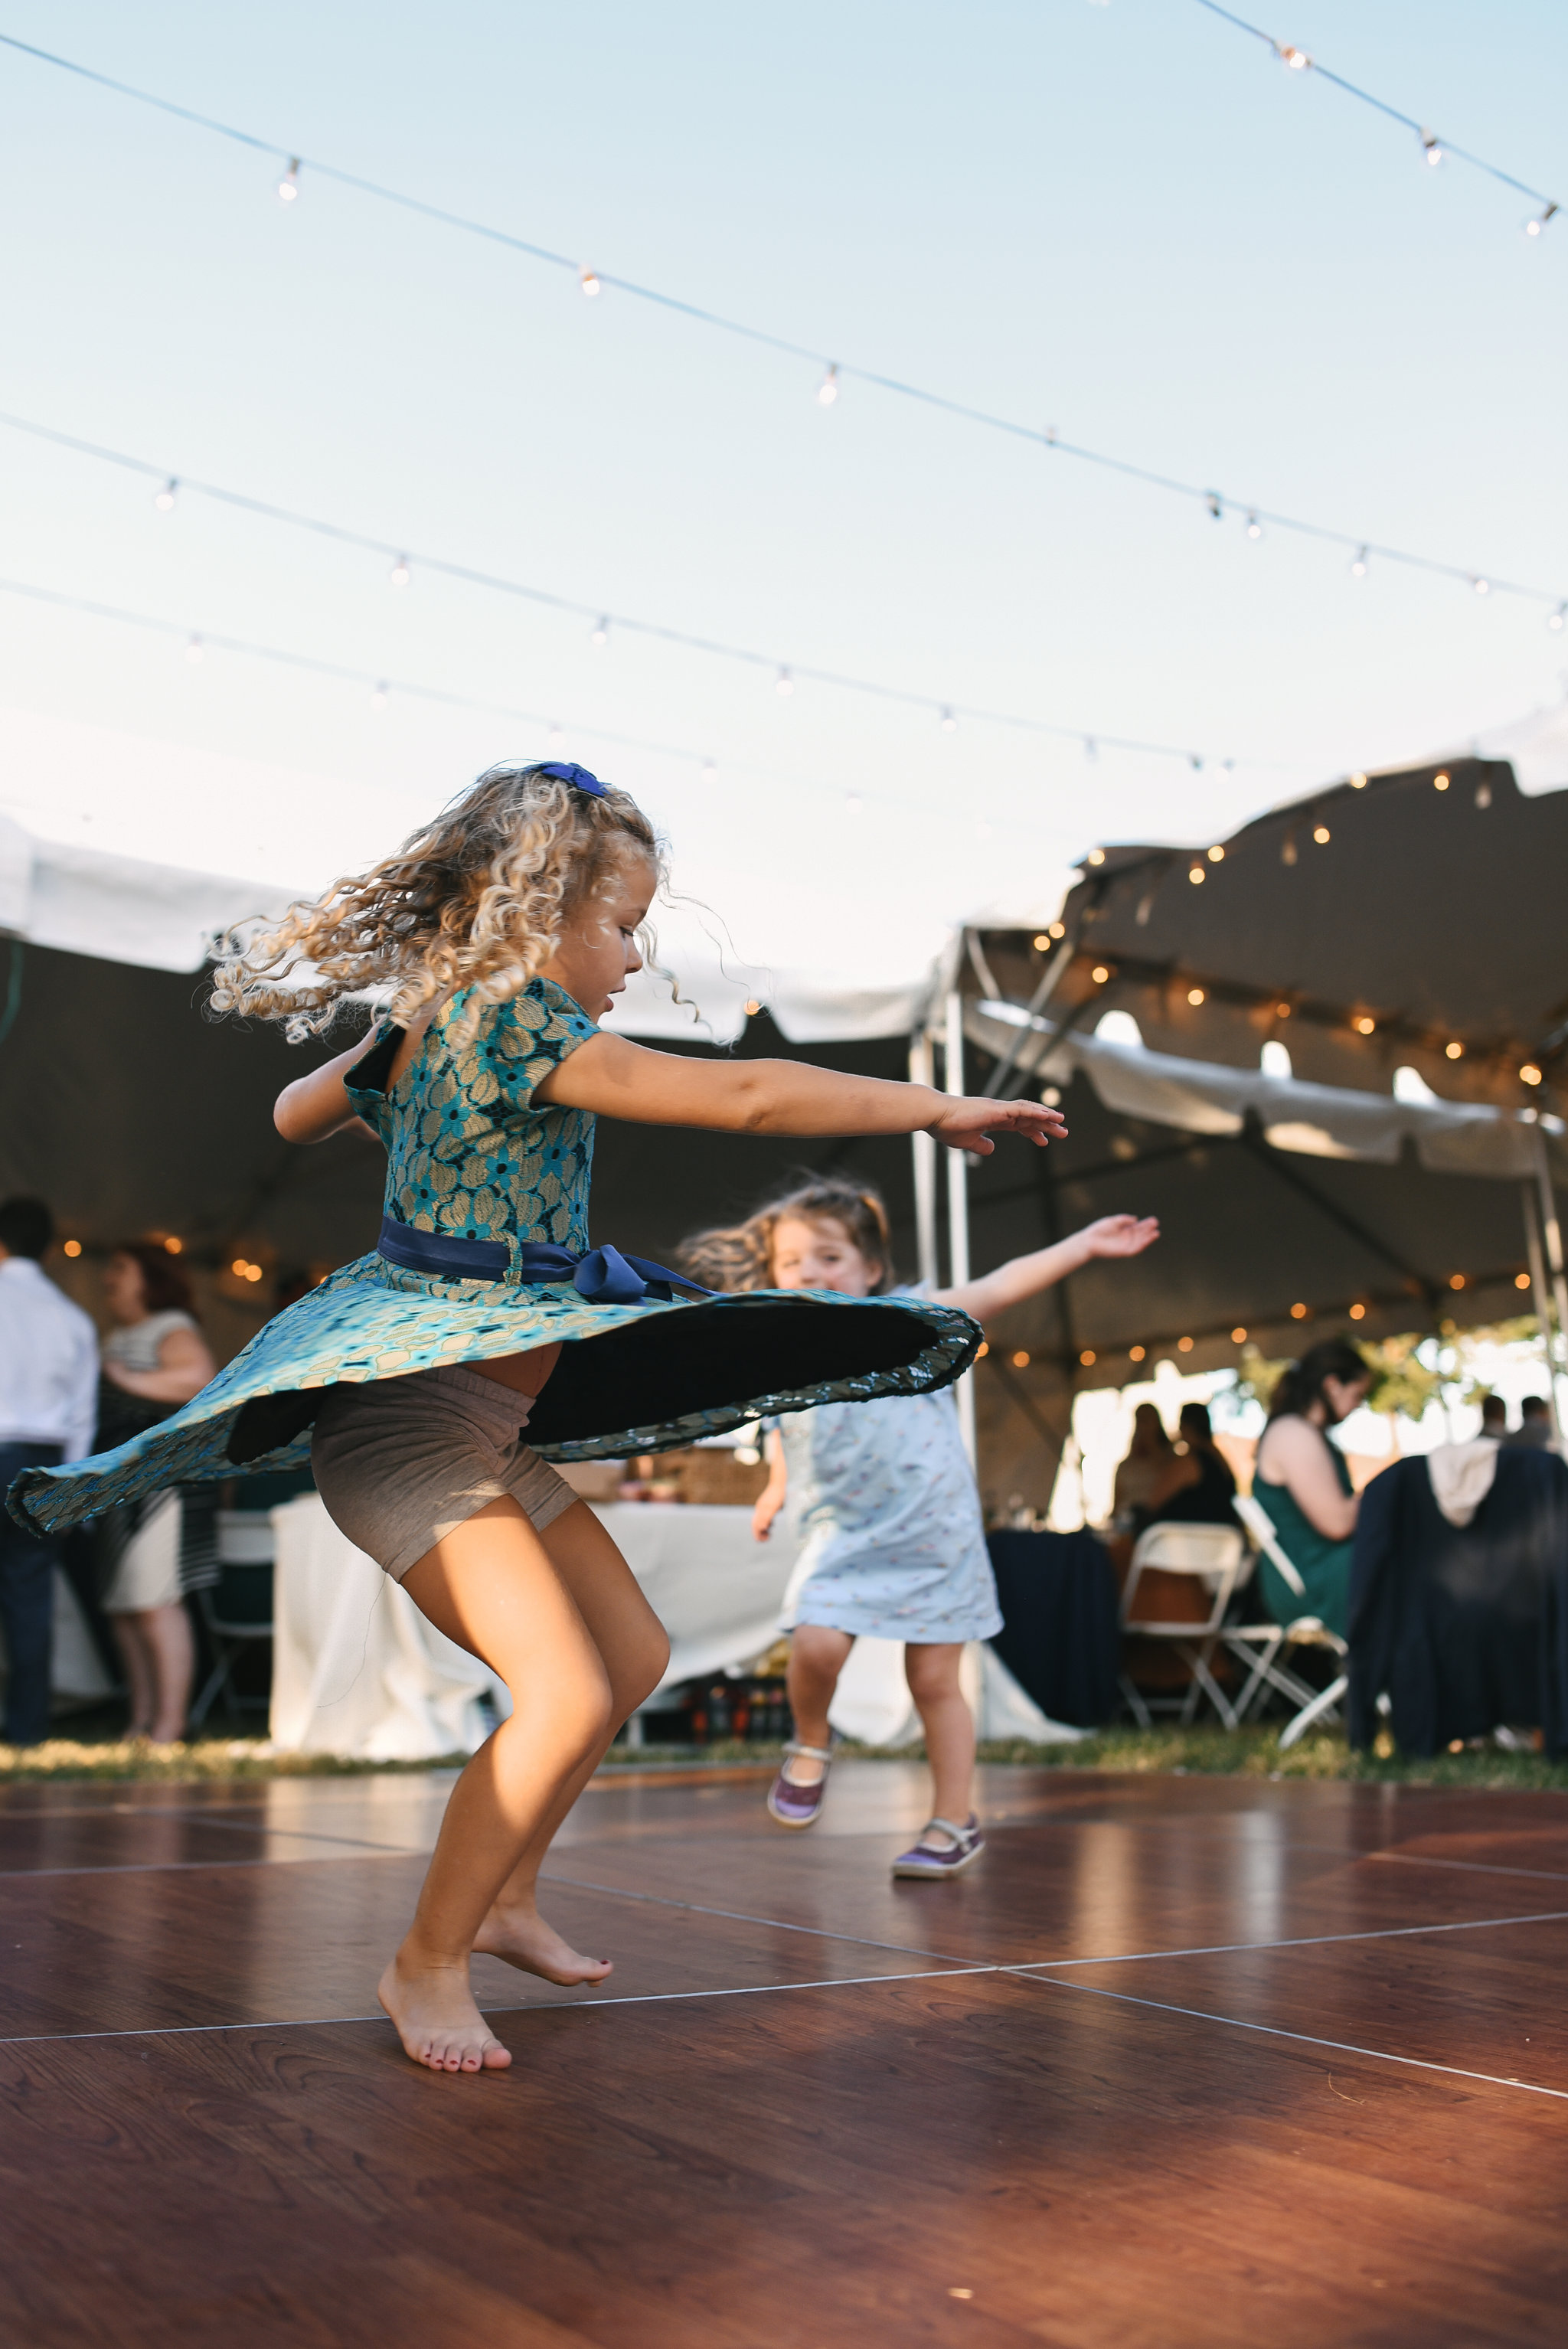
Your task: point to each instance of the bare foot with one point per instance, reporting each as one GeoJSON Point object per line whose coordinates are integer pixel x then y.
{"type": "Point", "coordinates": [523, 1938]}
{"type": "Point", "coordinates": [436, 2019]}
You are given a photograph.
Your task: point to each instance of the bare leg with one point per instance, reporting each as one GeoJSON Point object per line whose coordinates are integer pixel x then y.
{"type": "Point", "coordinates": [140, 1685]}
{"type": "Point", "coordinates": [933, 1675]}
{"type": "Point", "coordinates": [492, 1585]}
{"type": "Point", "coordinates": [633, 1647]}
{"type": "Point", "coordinates": [167, 1637]}
{"type": "Point", "coordinates": [817, 1657]}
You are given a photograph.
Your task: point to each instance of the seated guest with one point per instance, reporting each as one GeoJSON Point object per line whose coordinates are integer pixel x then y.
{"type": "Point", "coordinates": [1493, 1417]}
{"type": "Point", "coordinates": [1304, 1483]}
{"type": "Point", "coordinates": [1206, 1488]}
{"type": "Point", "coordinates": [1534, 1429]}
{"type": "Point", "coordinates": [1150, 1470]}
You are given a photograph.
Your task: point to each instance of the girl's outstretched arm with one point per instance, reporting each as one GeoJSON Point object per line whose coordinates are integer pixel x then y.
{"type": "Point", "coordinates": [1026, 1275]}
{"type": "Point", "coordinates": [620, 1079]}
{"type": "Point", "coordinates": [315, 1106]}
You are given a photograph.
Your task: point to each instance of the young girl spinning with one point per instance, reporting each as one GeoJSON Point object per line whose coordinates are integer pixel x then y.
{"type": "Point", "coordinates": [500, 933]}
{"type": "Point", "coordinates": [894, 1548]}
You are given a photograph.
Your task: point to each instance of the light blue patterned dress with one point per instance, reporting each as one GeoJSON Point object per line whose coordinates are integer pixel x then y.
{"type": "Point", "coordinates": [478, 1174]}
{"type": "Point", "coordinates": [894, 1544]}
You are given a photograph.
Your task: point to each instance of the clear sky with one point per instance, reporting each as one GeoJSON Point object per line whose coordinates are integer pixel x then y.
{"type": "Point", "coordinates": [1123, 219]}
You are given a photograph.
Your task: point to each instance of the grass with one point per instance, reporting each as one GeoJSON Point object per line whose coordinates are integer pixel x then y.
{"type": "Point", "coordinates": [1200, 1752]}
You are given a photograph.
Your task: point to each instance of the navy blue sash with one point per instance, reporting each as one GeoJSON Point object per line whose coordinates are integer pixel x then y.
{"type": "Point", "coordinates": [604, 1276]}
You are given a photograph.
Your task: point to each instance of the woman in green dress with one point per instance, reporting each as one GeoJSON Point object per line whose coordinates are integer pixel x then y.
{"type": "Point", "coordinates": [1303, 1482]}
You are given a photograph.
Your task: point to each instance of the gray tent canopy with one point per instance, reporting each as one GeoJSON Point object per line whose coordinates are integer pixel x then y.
{"type": "Point", "coordinates": [1411, 919]}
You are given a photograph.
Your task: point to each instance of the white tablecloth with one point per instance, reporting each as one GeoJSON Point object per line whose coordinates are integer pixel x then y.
{"type": "Point", "coordinates": [358, 1671]}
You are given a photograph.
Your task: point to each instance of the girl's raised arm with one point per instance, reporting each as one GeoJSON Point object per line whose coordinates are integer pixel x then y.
{"type": "Point", "coordinates": [1026, 1275]}
{"type": "Point", "coordinates": [315, 1106]}
{"type": "Point", "coordinates": [620, 1079]}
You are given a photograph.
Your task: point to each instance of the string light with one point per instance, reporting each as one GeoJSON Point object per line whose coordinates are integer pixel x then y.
{"type": "Point", "coordinates": [1196, 874]}
{"type": "Point", "coordinates": [599, 633]}
{"type": "Point", "coordinates": [1087, 1358]}
{"type": "Point", "coordinates": [1216, 854]}
{"type": "Point", "coordinates": [1184, 1345]}
{"type": "Point", "coordinates": [194, 650]}
{"type": "Point", "coordinates": [784, 684]}
{"type": "Point", "coordinates": [828, 389]}
{"type": "Point", "coordinates": [1090, 749]}
{"type": "Point", "coordinates": [1530, 1074]}
{"type": "Point", "coordinates": [709, 771]}
{"type": "Point", "coordinates": [1194, 997]}
{"type": "Point", "coordinates": [1455, 1052]}
{"type": "Point", "coordinates": [1298, 60]}
{"type": "Point", "coordinates": [1099, 974]}
{"type": "Point", "coordinates": [73, 1247]}
{"type": "Point", "coordinates": [1238, 1337]}
{"type": "Point", "coordinates": [1135, 1354]}
{"type": "Point", "coordinates": [288, 186]}
{"type": "Point", "coordinates": [1555, 619]}
{"type": "Point", "coordinates": [317, 527]}
{"type": "Point", "coordinates": [1440, 782]}
{"type": "Point", "coordinates": [1043, 943]}
{"type": "Point", "coordinates": [1522, 1280]}
{"type": "Point", "coordinates": [1255, 527]}
{"type": "Point", "coordinates": [1359, 563]}
{"type": "Point", "coordinates": [852, 803]}
{"type": "Point", "coordinates": [163, 499]}
{"type": "Point", "coordinates": [1298, 1312]}
{"type": "Point", "coordinates": [591, 282]}
{"type": "Point", "coordinates": [379, 695]}
{"type": "Point", "coordinates": [1364, 1026]}
{"type": "Point", "coordinates": [1359, 1313]}
{"type": "Point", "coordinates": [1358, 782]}
{"type": "Point", "coordinates": [1095, 856]}
{"type": "Point", "coordinates": [948, 722]}
{"type": "Point", "coordinates": [1537, 223]}
{"type": "Point", "coordinates": [1482, 586]}
{"type": "Point", "coordinates": [1322, 834]}
{"type": "Point", "coordinates": [555, 737]}
{"type": "Point", "coordinates": [1020, 1360]}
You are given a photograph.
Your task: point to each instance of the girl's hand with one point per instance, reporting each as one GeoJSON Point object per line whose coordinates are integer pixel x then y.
{"type": "Point", "coordinates": [769, 1501]}
{"type": "Point", "coordinates": [1120, 1235]}
{"type": "Point", "coordinates": [968, 1125]}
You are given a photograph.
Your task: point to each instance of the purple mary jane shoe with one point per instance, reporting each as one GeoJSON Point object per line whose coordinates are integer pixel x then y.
{"type": "Point", "coordinates": [795, 1806]}
{"type": "Point", "coordinates": [920, 1859]}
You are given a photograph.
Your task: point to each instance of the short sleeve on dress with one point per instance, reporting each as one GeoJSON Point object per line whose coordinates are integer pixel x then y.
{"type": "Point", "coordinates": [532, 1033]}
{"type": "Point", "coordinates": [366, 1082]}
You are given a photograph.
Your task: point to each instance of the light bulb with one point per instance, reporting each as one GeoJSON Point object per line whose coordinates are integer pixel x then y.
{"type": "Point", "coordinates": [379, 694]}
{"type": "Point", "coordinates": [400, 575]}
{"type": "Point", "coordinates": [556, 737]}
{"type": "Point", "coordinates": [1216, 854]}
{"type": "Point", "coordinates": [1533, 227]}
{"type": "Point", "coordinates": [288, 186]}
{"type": "Point", "coordinates": [1095, 856]}
{"type": "Point", "coordinates": [1555, 619]}
{"type": "Point", "coordinates": [601, 633]}
{"type": "Point", "coordinates": [1482, 587]}
{"type": "Point", "coordinates": [1099, 974]}
{"type": "Point", "coordinates": [709, 771]}
{"type": "Point", "coordinates": [1434, 153]}
{"type": "Point", "coordinates": [1255, 527]}
{"type": "Point", "coordinates": [588, 281]}
{"type": "Point", "coordinates": [1364, 1026]}
{"type": "Point", "coordinates": [1358, 564]}
{"type": "Point", "coordinates": [1358, 782]}
{"type": "Point", "coordinates": [1091, 747]}
{"type": "Point", "coordinates": [1195, 762]}
{"type": "Point", "coordinates": [1296, 59]}
{"type": "Point", "coordinates": [1196, 873]}
{"type": "Point", "coordinates": [1320, 832]}
{"type": "Point", "coordinates": [1530, 1074]}
{"type": "Point", "coordinates": [163, 499]}
{"type": "Point", "coordinates": [828, 389]}
{"type": "Point", "coordinates": [194, 650]}
{"type": "Point", "coordinates": [949, 723]}
{"type": "Point", "coordinates": [784, 684]}
{"type": "Point", "coordinates": [1213, 500]}
{"type": "Point", "coordinates": [1440, 782]}
{"type": "Point", "coordinates": [1453, 1051]}
{"type": "Point", "coordinates": [1194, 997]}
{"type": "Point", "coordinates": [851, 803]}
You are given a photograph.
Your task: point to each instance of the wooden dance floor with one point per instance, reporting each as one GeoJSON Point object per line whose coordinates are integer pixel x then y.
{"type": "Point", "coordinates": [1181, 2061]}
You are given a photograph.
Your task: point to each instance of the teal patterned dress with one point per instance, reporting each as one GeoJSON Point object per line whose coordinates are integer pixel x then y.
{"type": "Point", "coordinates": [485, 1251]}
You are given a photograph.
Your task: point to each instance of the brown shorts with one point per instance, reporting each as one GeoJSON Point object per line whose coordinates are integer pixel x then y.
{"type": "Point", "coordinates": [400, 1462]}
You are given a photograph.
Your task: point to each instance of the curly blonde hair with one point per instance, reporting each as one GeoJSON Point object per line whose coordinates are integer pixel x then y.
{"type": "Point", "coordinates": [474, 899]}
{"type": "Point", "coordinates": [740, 1256]}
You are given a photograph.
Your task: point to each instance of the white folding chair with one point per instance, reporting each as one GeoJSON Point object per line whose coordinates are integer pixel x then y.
{"type": "Point", "coordinates": [1213, 1556]}
{"type": "Point", "coordinates": [238, 1610]}
{"type": "Point", "coordinates": [1261, 1646]}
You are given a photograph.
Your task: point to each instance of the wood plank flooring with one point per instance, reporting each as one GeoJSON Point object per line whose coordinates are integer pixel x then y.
{"type": "Point", "coordinates": [1181, 2061]}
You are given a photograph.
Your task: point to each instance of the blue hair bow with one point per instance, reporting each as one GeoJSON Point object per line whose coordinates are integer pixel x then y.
{"type": "Point", "coordinates": [579, 778]}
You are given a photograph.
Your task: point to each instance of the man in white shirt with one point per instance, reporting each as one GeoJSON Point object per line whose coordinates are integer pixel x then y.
{"type": "Point", "coordinates": [49, 1406]}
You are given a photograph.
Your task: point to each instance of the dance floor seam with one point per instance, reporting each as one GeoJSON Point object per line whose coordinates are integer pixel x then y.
{"type": "Point", "coordinates": [1300, 1941]}
{"type": "Point", "coordinates": [1277, 2031]}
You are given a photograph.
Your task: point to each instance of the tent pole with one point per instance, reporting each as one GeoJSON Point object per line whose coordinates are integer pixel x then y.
{"type": "Point", "coordinates": [958, 1206]}
{"type": "Point", "coordinates": [925, 1148]}
{"type": "Point", "coordinates": [1551, 1232]}
{"type": "Point", "coordinates": [1538, 1294]}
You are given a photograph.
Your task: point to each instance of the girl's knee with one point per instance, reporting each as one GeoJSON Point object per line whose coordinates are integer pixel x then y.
{"type": "Point", "coordinates": [932, 1672]}
{"type": "Point", "coordinates": [639, 1674]}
